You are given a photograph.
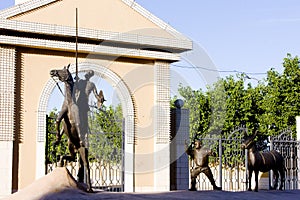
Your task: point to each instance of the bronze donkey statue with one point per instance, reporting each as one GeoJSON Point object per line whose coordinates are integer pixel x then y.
{"type": "Point", "coordinates": [71, 127]}
{"type": "Point", "coordinates": [263, 161]}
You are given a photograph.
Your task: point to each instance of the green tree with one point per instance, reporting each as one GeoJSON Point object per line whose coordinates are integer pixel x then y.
{"type": "Point", "coordinates": [281, 99]}
{"type": "Point", "coordinates": [53, 151]}
{"type": "Point", "coordinates": [273, 102]}
{"type": "Point", "coordinates": [105, 140]}
{"type": "Point", "coordinates": [200, 111]}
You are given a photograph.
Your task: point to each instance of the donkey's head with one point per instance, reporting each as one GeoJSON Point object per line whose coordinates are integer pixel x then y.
{"type": "Point", "coordinates": [63, 75]}
{"type": "Point", "coordinates": [249, 140]}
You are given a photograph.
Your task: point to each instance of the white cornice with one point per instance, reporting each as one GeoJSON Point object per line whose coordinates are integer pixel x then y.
{"type": "Point", "coordinates": [24, 7]}
{"type": "Point", "coordinates": [87, 48]}
{"type": "Point", "coordinates": [175, 45]}
{"type": "Point", "coordinates": [185, 43]}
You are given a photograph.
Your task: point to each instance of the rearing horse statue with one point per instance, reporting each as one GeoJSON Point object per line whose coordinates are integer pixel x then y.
{"type": "Point", "coordinates": [263, 161]}
{"type": "Point", "coordinates": [71, 126]}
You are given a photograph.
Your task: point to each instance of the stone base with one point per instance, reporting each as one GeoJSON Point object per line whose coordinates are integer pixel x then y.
{"type": "Point", "coordinates": [56, 181]}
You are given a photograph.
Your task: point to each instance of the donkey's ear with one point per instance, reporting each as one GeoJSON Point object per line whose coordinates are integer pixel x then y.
{"type": "Point", "coordinates": [68, 66]}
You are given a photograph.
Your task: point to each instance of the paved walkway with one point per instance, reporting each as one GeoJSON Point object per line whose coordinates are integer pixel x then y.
{"type": "Point", "coordinates": [207, 195]}
{"type": "Point", "coordinates": [60, 185]}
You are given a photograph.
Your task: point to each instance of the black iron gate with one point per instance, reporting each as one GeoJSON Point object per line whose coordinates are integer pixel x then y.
{"type": "Point", "coordinates": [289, 148]}
{"type": "Point", "coordinates": [105, 157]}
{"type": "Point", "coordinates": [228, 166]}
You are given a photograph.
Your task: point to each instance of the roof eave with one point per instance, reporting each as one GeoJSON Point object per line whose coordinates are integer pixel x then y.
{"type": "Point", "coordinates": [115, 38]}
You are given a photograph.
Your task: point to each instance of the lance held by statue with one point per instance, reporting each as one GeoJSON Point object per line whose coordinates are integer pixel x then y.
{"type": "Point", "coordinates": [200, 156]}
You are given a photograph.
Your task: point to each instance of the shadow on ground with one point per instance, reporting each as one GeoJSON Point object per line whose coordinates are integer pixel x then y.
{"type": "Point", "coordinates": [60, 185]}
{"type": "Point", "coordinates": [73, 194]}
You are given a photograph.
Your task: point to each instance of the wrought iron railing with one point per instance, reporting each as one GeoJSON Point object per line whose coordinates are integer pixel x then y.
{"type": "Point", "coordinates": [233, 175]}
{"type": "Point", "coordinates": [105, 159]}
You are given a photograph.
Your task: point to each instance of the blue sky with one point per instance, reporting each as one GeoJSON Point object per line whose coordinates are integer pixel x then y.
{"type": "Point", "coordinates": [250, 36]}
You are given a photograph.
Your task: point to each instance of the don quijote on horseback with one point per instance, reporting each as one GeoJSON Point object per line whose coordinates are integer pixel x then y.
{"type": "Point", "coordinates": [69, 115]}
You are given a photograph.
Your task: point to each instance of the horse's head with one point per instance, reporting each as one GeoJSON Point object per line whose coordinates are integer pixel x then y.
{"type": "Point", "coordinates": [100, 99]}
{"type": "Point", "coordinates": [249, 140]}
{"type": "Point", "coordinates": [63, 75]}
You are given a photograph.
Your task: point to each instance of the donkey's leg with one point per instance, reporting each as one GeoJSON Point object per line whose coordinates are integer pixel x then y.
{"type": "Point", "coordinates": [282, 177]}
{"type": "Point", "coordinates": [84, 156]}
{"type": "Point", "coordinates": [276, 174]}
{"type": "Point", "coordinates": [250, 177]}
{"type": "Point", "coordinates": [256, 180]}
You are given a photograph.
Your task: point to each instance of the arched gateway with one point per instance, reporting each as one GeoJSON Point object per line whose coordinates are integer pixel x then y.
{"type": "Point", "coordinates": [118, 39]}
{"type": "Point", "coordinates": [126, 102]}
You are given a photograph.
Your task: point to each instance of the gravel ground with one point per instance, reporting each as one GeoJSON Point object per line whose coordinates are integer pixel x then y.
{"type": "Point", "coordinates": [73, 194]}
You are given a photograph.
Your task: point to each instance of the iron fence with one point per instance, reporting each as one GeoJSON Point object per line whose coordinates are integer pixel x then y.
{"type": "Point", "coordinates": [105, 158]}
{"type": "Point", "coordinates": [289, 148]}
{"type": "Point", "coordinates": [229, 165]}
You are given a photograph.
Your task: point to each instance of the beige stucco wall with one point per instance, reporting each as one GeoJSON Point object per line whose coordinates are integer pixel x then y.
{"type": "Point", "coordinates": [36, 67]}
{"type": "Point", "coordinates": [108, 15]}
{"type": "Point", "coordinates": [139, 77]}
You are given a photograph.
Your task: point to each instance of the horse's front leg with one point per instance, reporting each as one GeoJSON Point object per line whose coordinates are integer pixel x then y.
{"type": "Point", "coordinates": [72, 151]}
{"type": "Point", "coordinates": [76, 118]}
{"type": "Point", "coordinates": [256, 180]}
{"type": "Point", "coordinates": [80, 174]}
{"type": "Point", "coordinates": [59, 118]}
{"type": "Point", "coordinates": [84, 157]}
{"type": "Point", "coordinates": [58, 131]}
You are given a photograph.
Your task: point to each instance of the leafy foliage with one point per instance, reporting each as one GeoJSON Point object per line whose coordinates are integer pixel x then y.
{"type": "Point", "coordinates": [269, 107]}
{"type": "Point", "coordinates": [105, 138]}
{"type": "Point", "coordinates": [229, 103]}
{"type": "Point", "coordinates": [54, 151]}
{"type": "Point", "coordinates": [281, 101]}
{"type": "Point", "coordinates": [105, 142]}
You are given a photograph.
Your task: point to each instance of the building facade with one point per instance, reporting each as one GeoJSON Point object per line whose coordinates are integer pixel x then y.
{"type": "Point", "coordinates": [124, 44]}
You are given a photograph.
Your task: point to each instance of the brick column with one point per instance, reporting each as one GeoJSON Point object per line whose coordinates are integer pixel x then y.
{"type": "Point", "coordinates": [7, 109]}
{"type": "Point", "coordinates": [161, 126]}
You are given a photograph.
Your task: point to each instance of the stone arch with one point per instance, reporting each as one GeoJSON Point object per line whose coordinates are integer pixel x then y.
{"type": "Point", "coordinates": [127, 104]}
